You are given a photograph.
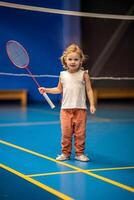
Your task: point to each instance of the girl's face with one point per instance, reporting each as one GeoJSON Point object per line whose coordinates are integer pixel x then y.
{"type": "Point", "coordinates": [73, 62]}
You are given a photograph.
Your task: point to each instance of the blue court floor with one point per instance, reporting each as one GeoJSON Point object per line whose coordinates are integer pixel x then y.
{"type": "Point", "coordinates": [30, 140]}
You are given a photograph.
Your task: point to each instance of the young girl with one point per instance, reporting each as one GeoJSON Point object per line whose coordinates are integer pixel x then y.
{"type": "Point", "coordinates": [74, 83]}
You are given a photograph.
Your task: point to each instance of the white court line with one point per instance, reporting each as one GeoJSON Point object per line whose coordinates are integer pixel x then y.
{"type": "Point", "coordinates": [66, 12]}
{"type": "Point", "coordinates": [97, 119]}
{"type": "Point", "coordinates": [29, 123]}
{"type": "Point", "coordinates": [44, 111]}
{"type": "Point", "coordinates": [90, 121]}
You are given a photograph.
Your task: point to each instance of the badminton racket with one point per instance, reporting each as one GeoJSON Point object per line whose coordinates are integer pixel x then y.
{"type": "Point", "coordinates": [20, 58]}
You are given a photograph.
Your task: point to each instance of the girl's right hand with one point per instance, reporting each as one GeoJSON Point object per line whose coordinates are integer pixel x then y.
{"type": "Point", "coordinates": [41, 90]}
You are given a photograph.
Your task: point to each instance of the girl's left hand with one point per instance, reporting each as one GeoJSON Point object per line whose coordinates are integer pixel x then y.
{"type": "Point", "coordinates": [92, 109]}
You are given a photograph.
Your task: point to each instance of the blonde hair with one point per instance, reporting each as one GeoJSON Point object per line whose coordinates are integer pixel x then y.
{"type": "Point", "coordinates": [70, 49]}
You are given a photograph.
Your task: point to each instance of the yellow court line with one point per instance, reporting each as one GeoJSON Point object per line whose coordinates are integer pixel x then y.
{"type": "Point", "coordinates": [37, 183]}
{"type": "Point", "coordinates": [74, 171]}
{"type": "Point", "coordinates": [53, 173]}
{"type": "Point", "coordinates": [112, 168]}
{"type": "Point", "coordinates": [71, 166]}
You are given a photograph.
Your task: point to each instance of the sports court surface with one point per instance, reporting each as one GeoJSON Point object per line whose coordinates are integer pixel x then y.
{"type": "Point", "coordinates": [30, 141]}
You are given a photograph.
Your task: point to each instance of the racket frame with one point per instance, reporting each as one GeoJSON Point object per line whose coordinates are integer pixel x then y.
{"type": "Point", "coordinates": [27, 68]}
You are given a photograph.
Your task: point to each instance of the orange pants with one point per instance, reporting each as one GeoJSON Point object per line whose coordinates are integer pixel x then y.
{"type": "Point", "coordinates": [73, 121]}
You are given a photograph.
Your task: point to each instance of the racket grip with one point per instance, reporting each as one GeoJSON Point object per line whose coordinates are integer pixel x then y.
{"type": "Point", "coordinates": [49, 100]}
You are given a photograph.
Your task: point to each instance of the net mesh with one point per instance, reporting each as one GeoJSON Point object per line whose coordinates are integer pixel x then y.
{"type": "Point", "coordinates": [106, 36]}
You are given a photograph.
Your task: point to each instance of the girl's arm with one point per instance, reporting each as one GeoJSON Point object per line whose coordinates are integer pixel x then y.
{"type": "Point", "coordinates": [55, 90]}
{"type": "Point", "coordinates": [89, 91]}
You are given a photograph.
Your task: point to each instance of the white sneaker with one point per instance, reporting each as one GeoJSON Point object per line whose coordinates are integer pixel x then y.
{"type": "Point", "coordinates": [82, 158]}
{"type": "Point", "coordinates": [62, 157]}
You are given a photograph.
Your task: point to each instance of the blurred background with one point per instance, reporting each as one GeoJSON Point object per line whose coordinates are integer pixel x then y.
{"type": "Point", "coordinates": [103, 29]}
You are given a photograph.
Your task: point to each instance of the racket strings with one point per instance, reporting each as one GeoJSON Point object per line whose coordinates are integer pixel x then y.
{"type": "Point", "coordinates": [17, 55]}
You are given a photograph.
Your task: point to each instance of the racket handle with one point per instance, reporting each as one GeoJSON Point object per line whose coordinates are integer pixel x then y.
{"type": "Point", "coordinates": [49, 100]}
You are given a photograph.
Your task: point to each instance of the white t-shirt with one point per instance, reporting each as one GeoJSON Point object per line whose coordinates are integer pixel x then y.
{"type": "Point", "coordinates": [74, 95]}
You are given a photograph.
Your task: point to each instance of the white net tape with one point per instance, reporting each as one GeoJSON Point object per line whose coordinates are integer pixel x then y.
{"type": "Point", "coordinates": [66, 12]}
{"type": "Point", "coordinates": [71, 13]}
